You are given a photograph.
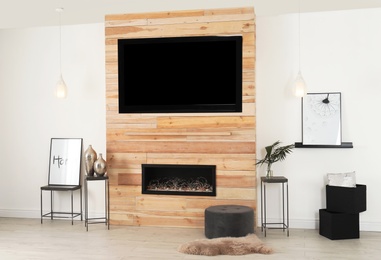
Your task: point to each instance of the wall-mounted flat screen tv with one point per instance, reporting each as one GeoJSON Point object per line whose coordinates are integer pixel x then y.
{"type": "Point", "coordinates": [201, 74]}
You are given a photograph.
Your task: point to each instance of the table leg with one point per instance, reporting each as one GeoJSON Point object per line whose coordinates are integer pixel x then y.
{"type": "Point", "coordinates": [86, 207]}
{"type": "Point", "coordinates": [261, 207]}
{"type": "Point", "coordinates": [284, 223]}
{"type": "Point", "coordinates": [288, 214]}
{"type": "Point", "coordinates": [264, 206]}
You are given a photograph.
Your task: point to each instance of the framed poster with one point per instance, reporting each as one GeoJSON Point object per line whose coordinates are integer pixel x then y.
{"type": "Point", "coordinates": [321, 118]}
{"type": "Point", "coordinates": [65, 161]}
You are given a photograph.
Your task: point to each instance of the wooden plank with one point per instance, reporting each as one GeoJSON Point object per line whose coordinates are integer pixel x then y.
{"type": "Point", "coordinates": [173, 30]}
{"type": "Point", "coordinates": [160, 221]}
{"type": "Point", "coordinates": [163, 132]}
{"type": "Point", "coordinates": [118, 198]}
{"type": "Point", "coordinates": [144, 133]}
{"type": "Point", "coordinates": [199, 18]}
{"type": "Point", "coordinates": [248, 89]}
{"type": "Point", "coordinates": [139, 16]}
{"type": "Point", "coordinates": [198, 213]}
{"type": "Point", "coordinates": [236, 181]}
{"type": "Point", "coordinates": [129, 179]}
{"type": "Point", "coordinates": [127, 161]}
{"type": "Point", "coordinates": [124, 191]}
{"type": "Point", "coordinates": [181, 147]}
{"type": "Point", "coordinates": [237, 172]}
{"type": "Point", "coordinates": [236, 193]}
{"type": "Point", "coordinates": [163, 203]}
{"type": "Point", "coordinates": [202, 204]}
{"type": "Point", "coordinates": [231, 11]}
{"type": "Point", "coordinates": [121, 219]}
{"type": "Point", "coordinates": [115, 172]}
{"type": "Point", "coordinates": [205, 122]}
{"type": "Point", "coordinates": [227, 13]}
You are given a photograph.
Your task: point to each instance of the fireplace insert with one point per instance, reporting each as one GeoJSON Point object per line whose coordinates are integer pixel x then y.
{"type": "Point", "coordinates": [177, 179]}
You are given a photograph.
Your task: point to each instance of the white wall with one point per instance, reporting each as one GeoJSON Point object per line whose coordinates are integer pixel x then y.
{"type": "Point", "coordinates": [31, 114]}
{"type": "Point", "coordinates": [340, 52]}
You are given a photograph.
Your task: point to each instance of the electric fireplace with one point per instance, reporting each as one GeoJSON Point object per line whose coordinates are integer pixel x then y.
{"type": "Point", "coordinates": [175, 179]}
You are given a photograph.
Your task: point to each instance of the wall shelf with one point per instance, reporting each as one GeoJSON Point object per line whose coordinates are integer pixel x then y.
{"type": "Point", "coordinates": [343, 145]}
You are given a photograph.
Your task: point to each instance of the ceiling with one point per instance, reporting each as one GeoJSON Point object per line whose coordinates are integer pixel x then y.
{"type": "Point", "coordinates": [33, 13]}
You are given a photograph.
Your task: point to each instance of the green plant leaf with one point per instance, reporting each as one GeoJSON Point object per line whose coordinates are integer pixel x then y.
{"type": "Point", "coordinates": [275, 153]}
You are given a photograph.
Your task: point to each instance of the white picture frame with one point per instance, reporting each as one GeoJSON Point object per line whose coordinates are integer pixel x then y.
{"type": "Point", "coordinates": [65, 161]}
{"type": "Point", "coordinates": [321, 119]}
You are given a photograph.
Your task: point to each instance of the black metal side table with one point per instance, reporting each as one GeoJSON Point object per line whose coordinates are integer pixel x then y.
{"type": "Point", "coordinates": [285, 221]}
{"type": "Point", "coordinates": [106, 218]}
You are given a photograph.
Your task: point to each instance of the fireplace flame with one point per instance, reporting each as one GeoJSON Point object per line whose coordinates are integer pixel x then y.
{"type": "Point", "coordinates": [199, 184]}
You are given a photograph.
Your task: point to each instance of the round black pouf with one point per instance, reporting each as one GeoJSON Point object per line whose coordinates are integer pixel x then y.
{"type": "Point", "coordinates": [228, 221]}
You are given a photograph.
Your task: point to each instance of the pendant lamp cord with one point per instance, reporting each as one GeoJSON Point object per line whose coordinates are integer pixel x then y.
{"type": "Point", "coordinates": [61, 44]}
{"type": "Point", "coordinates": [60, 10]}
{"type": "Point", "coordinates": [299, 33]}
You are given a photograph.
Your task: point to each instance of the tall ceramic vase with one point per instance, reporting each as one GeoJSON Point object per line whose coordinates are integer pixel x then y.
{"type": "Point", "coordinates": [90, 158]}
{"type": "Point", "coordinates": [100, 166]}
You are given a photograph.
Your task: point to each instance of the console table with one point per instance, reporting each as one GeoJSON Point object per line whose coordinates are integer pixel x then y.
{"type": "Point", "coordinates": [285, 208]}
{"type": "Point", "coordinates": [106, 218]}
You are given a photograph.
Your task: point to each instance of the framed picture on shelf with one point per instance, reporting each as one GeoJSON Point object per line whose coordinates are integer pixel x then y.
{"type": "Point", "coordinates": [321, 118]}
{"type": "Point", "coordinates": [65, 161]}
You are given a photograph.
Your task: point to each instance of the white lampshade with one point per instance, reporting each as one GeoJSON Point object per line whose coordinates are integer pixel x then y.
{"type": "Point", "coordinates": [61, 89]}
{"type": "Point", "coordinates": [300, 87]}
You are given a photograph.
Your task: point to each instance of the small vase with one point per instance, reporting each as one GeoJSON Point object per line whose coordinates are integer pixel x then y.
{"type": "Point", "coordinates": [90, 158]}
{"type": "Point", "coordinates": [269, 172]}
{"type": "Point", "coordinates": [100, 166]}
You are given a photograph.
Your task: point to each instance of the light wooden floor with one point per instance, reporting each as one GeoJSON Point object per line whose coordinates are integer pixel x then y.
{"type": "Point", "coordinates": [58, 239]}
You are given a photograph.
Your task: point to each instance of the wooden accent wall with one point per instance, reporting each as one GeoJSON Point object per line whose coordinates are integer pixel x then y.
{"type": "Point", "coordinates": [226, 140]}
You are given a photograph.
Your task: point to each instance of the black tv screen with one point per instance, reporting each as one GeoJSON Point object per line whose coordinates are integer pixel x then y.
{"type": "Point", "coordinates": [198, 74]}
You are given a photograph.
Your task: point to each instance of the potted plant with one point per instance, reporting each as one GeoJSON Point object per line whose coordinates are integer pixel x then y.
{"type": "Point", "coordinates": [274, 153]}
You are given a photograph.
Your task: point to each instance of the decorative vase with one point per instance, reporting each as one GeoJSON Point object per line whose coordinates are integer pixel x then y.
{"type": "Point", "coordinates": [90, 158]}
{"type": "Point", "coordinates": [100, 166]}
{"type": "Point", "coordinates": [269, 172]}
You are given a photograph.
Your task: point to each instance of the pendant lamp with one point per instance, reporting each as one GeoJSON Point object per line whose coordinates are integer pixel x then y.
{"type": "Point", "coordinates": [61, 89]}
{"type": "Point", "coordinates": [300, 87]}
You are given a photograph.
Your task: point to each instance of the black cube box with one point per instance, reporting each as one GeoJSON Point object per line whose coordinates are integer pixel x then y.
{"type": "Point", "coordinates": [335, 225]}
{"type": "Point", "coordinates": [345, 199]}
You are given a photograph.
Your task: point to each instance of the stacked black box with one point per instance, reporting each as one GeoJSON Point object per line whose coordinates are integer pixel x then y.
{"type": "Point", "coordinates": [341, 218]}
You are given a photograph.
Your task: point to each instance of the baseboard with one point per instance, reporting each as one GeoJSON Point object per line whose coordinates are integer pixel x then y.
{"type": "Point", "coordinates": [294, 223]}
{"type": "Point", "coordinates": [370, 226]}
{"type": "Point", "coordinates": [6, 213]}
{"type": "Point", "coordinates": [314, 224]}
{"type": "Point", "coordinates": [300, 224]}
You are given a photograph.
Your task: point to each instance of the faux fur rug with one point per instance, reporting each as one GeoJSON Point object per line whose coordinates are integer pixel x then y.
{"type": "Point", "coordinates": [249, 244]}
